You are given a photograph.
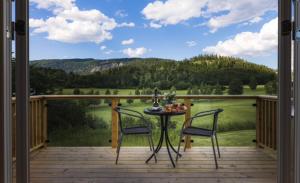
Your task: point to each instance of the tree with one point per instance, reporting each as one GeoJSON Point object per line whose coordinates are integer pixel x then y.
{"type": "Point", "coordinates": [235, 87]}
{"type": "Point", "coordinates": [173, 89]}
{"type": "Point", "coordinates": [137, 92]}
{"type": "Point", "coordinates": [218, 90]}
{"type": "Point", "coordinates": [91, 92]}
{"type": "Point", "coordinates": [107, 92]}
{"type": "Point", "coordinates": [189, 91]}
{"type": "Point", "coordinates": [253, 83]}
{"type": "Point", "coordinates": [129, 100]}
{"type": "Point", "coordinates": [116, 92]}
{"type": "Point", "coordinates": [76, 91]}
{"type": "Point", "coordinates": [195, 91]}
{"type": "Point", "coordinates": [271, 88]}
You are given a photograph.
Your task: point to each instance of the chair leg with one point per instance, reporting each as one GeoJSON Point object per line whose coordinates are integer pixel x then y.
{"type": "Point", "coordinates": [119, 148]}
{"type": "Point", "coordinates": [218, 145]}
{"type": "Point", "coordinates": [153, 149]}
{"type": "Point", "coordinates": [149, 143]}
{"type": "Point", "coordinates": [180, 138]}
{"type": "Point", "coordinates": [213, 146]}
{"type": "Point", "coordinates": [185, 145]}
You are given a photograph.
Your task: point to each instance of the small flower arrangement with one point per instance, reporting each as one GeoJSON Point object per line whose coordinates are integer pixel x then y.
{"type": "Point", "coordinates": [169, 98]}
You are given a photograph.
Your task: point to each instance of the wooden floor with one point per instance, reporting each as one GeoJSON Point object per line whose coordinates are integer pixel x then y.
{"type": "Point", "coordinates": [96, 164]}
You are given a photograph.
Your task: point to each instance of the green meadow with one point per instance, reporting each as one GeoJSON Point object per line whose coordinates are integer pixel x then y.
{"type": "Point", "coordinates": [236, 125]}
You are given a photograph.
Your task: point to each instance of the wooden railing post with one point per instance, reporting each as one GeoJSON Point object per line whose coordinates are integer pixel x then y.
{"type": "Point", "coordinates": [45, 122]}
{"type": "Point", "coordinates": [258, 122]}
{"type": "Point", "coordinates": [187, 103]}
{"type": "Point", "coordinates": [114, 123]}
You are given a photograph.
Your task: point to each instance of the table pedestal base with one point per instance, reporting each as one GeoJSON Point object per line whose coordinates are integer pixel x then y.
{"type": "Point", "coordinates": [164, 135]}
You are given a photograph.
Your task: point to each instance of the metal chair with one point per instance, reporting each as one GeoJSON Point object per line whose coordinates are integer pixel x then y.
{"type": "Point", "coordinates": [144, 128]}
{"type": "Point", "coordinates": [189, 130]}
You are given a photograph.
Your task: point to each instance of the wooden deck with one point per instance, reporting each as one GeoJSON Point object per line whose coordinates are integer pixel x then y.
{"type": "Point", "coordinates": [96, 164]}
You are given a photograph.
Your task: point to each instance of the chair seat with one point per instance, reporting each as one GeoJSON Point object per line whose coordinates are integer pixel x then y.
{"type": "Point", "coordinates": [197, 131]}
{"type": "Point", "coordinates": [137, 130]}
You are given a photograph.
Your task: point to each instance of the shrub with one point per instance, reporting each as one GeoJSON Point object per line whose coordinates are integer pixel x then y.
{"type": "Point", "coordinates": [137, 92]}
{"type": "Point", "coordinates": [96, 123]}
{"type": "Point", "coordinates": [129, 101]}
{"type": "Point", "coordinates": [218, 90]}
{"type": "Point", "coordinates": [236, 87]}
{"type": "Point", "coordinates": [76, 91]}
{"type": "Point", "coordinates": [195, 91]}
{"type": "Point", "coordinates": [107, 92]}
{"type": "Point", "coordinates": [271, 88]}
{"type": "Point", "coordinates": [253, 83]}
{"type": "Point", "coordinates": [65, 114]}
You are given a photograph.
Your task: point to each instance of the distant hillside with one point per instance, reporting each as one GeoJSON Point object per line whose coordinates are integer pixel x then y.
{"type": "Point", "coordinates": [152, 72]}
{"type": "Point", "coordinates": [83, 66]}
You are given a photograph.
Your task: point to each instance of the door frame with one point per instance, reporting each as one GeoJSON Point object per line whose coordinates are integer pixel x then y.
{"type": "Point", "coordinates": [5, 93]}
{"type": "Point", "coordinates": [297, 95]}
{"type": "Point", "coordinates": [22, 91]}
{"type": "Point", "coordinates": [22, 87]}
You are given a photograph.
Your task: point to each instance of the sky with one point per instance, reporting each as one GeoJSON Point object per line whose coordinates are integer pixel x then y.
{"type": "Point", "coordinates": [173, 29]}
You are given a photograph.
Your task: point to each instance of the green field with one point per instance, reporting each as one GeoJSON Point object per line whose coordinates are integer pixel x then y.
{"type": "Point", "coordinates": [236, 123]}
{"type": "Point", "coordinates": [247, 91]}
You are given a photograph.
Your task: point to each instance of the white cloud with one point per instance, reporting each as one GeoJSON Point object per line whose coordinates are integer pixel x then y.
{"type": "Point", "coordinates": [236, 11]}
{"type": "Point", "coordinates": [155, 25]}
{"type": "Point", "coordinates": [255, 20]}
{"type": "Point", "coordinates": [121, 14]}
{"type": "Point", "coordinates": [128, 42]}
{"type": "Point", "coordinates": [191, 43]}
{"type": "Point", "coordinates": [137, 52]}
{"type": "Point", "coordinates": [69, 24]}
{"type": "Point", "coordinates": [125, 24]}
{"type": "Point", "coordinates": [54, 4]}
{"type": "Point", "coordinates": [249, 43]}
{"type": "Point", "coordinates": [219, 13]}
{"type": "Point", "coordinates": [103, 47]}
{"type": "Point", "coordinates": [108, 52]}
{"type": "Point", "coordinates": [173, 11]}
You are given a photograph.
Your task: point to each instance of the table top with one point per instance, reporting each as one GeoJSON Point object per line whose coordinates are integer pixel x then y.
{"type": "Point", "coordinates": [162, 112]}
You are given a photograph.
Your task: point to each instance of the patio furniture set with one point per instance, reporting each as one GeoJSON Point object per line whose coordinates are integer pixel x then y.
{"type": "Point", "coordinates": [144, 128]}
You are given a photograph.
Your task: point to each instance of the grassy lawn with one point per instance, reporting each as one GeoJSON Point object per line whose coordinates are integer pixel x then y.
{"type": "Point", "coordinates": [247, 91]}
{"type": "Point", "coordinates": [237, 115]}
{"type": "Point", "coordinates": [236, 124]}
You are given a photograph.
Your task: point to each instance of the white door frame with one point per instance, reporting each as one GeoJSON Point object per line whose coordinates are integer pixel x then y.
{"type": "Point", "coordinates": [5, 92]}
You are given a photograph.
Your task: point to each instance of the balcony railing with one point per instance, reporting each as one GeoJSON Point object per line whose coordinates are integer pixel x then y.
{"type": "Point", "coordinates": [266, 112]}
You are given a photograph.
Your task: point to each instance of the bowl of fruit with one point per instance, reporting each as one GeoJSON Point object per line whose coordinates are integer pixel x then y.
{"type": "Point", "coordinates": [175, 108]}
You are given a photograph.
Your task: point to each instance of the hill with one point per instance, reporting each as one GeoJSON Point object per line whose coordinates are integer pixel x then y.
{"type": "Point", "coordinates": [149, 73]}
{"type": "Point", "coordinates": [83, 66]}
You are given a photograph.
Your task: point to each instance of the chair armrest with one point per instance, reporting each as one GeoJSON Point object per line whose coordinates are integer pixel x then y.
{"type": "Point", "coordinates": [214, 112]}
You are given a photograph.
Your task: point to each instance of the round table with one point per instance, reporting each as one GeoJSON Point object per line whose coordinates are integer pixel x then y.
{"type": "Point", "coordinates": [164, 120]}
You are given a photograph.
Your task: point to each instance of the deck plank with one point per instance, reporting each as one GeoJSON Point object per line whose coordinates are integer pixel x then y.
{"type": "Point", "coordinates": [96, 164]}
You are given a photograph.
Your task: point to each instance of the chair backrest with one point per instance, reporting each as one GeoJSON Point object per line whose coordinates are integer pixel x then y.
{"type": "Point", "coordinates": [129, 113]}
{"type": "Point", "coordinates": [215, 114]}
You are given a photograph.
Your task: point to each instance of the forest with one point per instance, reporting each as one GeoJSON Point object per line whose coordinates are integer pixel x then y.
{"type": "Point", "coordinates": [202, 70]}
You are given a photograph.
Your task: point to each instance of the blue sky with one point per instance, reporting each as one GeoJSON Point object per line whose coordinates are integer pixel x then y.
{"type": "Point", "coordinates": [172, 29]}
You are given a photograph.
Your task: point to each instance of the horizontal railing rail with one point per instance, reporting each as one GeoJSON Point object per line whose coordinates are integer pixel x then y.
{"type": "Point", "coordinates": [266, 112]}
